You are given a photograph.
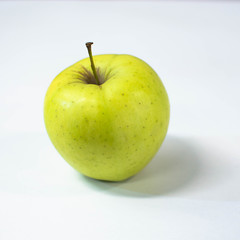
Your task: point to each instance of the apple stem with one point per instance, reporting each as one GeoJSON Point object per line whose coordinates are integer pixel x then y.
{"type": "Point", "coordinates": [89, 48]}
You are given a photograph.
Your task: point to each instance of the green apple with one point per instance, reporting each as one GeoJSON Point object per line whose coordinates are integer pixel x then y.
{"type": "Point", "coordinates": [107, 121]}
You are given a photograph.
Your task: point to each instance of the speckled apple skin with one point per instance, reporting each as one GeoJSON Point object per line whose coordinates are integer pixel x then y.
{"type": "Point", "coordinates": [108, 132]}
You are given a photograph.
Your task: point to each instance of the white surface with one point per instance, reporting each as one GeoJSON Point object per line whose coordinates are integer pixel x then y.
{"type": "Point", "coordinates": [191, 190]}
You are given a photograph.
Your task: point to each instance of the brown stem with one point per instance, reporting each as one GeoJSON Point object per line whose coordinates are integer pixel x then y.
{"type": "Point", "coordinates": [89, 48]}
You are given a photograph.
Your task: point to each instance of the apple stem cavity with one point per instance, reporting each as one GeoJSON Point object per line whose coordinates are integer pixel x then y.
{"type": "Point", "coordinates": [89, 48]}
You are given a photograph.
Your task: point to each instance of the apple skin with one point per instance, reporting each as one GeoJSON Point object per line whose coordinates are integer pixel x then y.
{"type": "Point", "coordinates": [112, 131]}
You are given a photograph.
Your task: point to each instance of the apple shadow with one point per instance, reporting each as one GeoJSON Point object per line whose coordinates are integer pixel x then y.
{"type": "Point", "coordinates": [175, 166]}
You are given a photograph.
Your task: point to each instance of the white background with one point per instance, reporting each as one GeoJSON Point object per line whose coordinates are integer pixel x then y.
{"type": "Point", "coordinates": [191, 189]}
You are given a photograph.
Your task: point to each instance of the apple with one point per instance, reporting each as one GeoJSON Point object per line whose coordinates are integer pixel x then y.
{"type": "Point", "coordinates": [107, 121]}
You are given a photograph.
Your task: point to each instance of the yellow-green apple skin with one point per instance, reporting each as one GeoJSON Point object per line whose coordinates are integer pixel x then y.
{"type": "Point", "coordinates": [109, 131]}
